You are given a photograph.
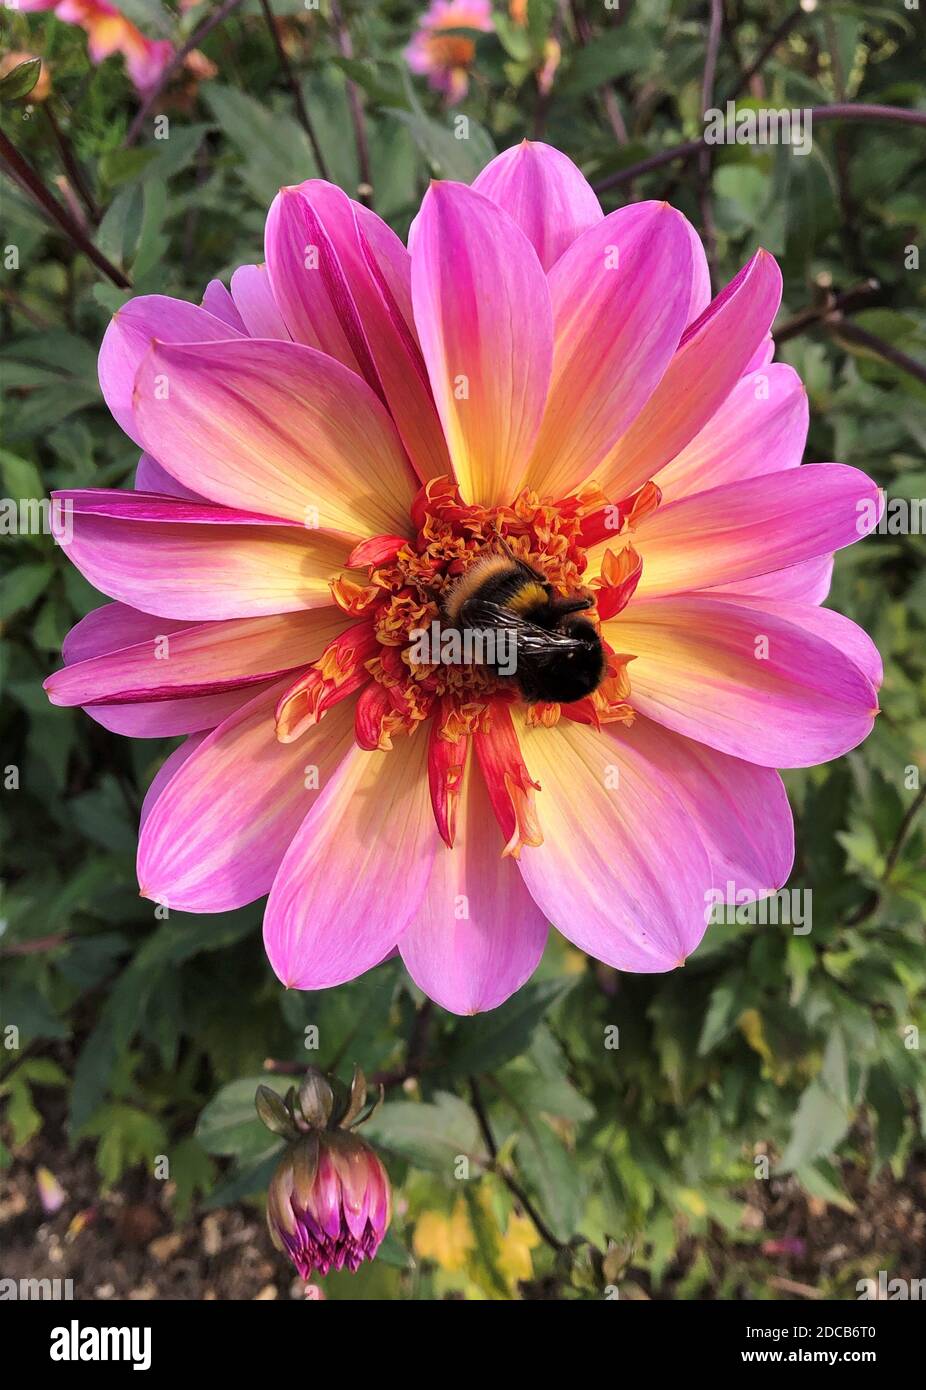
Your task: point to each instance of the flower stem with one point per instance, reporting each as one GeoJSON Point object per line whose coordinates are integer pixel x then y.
{"type": "Point", "coordinates": [72, 165]}
{"type": "Point", "coordinates": [778, 37]}
{"type": "Point", "coordinates": [301, 110]}
{"type": "Point", "coordinates": [174, 66]}
{"type": "Point", "coordinates": [32, 182]}
{"type": "Point", "coordinates": [704, 158]}
{"type": "Point", "coordinates": [840, 111]}
{"type": "Point", "coordinates": [346, 45]}
{"type": "Point", "coordinates": [508, 1178]}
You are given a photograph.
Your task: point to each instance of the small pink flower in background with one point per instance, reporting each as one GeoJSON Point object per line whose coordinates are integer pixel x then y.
{"type": "Point", "coordinates": [792, 1246]}
{"type": "Point", "coordinates": [446, 58]}
{"type": "Point", "coordinates": [327, 450]}
{"type": "Point", "coordinates": [329, 1202]}
{"type": "Point", "coordinates": [552, 54]}
{"type": "Point", "coordinates": [110, 32]}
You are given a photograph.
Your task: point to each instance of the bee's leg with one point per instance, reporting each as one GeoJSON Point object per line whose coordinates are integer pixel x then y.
{"type": "Point", "coordinates": [521, 564]}
{"type": "Point", "coordinates": [504, 544]}
{"type": "Point", "coordinates": [562, 607]}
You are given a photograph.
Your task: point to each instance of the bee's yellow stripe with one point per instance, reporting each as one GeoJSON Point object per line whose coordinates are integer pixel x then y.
{"type": "Point", "coordinates": [528, 597]}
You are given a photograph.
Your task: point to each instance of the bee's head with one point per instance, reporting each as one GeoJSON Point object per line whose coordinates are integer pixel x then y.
{"type": "Point", "coordinates": [572, 675]}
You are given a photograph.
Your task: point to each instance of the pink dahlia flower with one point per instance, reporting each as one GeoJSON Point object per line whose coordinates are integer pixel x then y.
{"type": "Point", "coordinates": [329, 446]}
{"type": "Point", "coordinates": [110, 32]}
{"type": "Point", "coordinates": [329, 1202]}
{"type": "Point", "coordinates": [441, 55]}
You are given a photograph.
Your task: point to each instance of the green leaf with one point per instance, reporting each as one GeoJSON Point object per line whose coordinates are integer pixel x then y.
{"type": "Point", "coordinates": [611, 55]}
{"type": "Point", "coordinates": [276, 149]}
{"type": "Point", "coordinates": [20, 80]}
{"type": "Point", "coordinates": [820, 1122]}
{"type": "Point", "coordinates": [127, 1137]}
{"type": "Point", "coordinates": [393, 1252]}
{"type": "Point", "coordinates": [22, 587]}
{"type": "Point", "coordinates": [457, 153]}
{"type": "Point", "coordinates": [492, 1038]}
{"type": "Point", "coordinates": [551, 1171]}
{"type": "Point", "coordinates": [431, 1136]}
{"type": "Point", "coordinates": [192, 1171]}
{"type": "Point", "coordinates": [727, 1003]}
{"type": "Point", "coordinates": [229, 1124]}
{"type": "Point", "coordinates": [250, 1180]}
{"type": "Point", "coordinates": [21, 478]}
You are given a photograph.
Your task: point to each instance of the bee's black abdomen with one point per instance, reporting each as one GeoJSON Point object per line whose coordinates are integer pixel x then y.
{"type": "Point", "coordinates": [562, 677]}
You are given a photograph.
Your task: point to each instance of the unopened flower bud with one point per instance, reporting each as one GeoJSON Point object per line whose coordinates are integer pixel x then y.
{"type": "Point", "coordinates": [329, 1202]}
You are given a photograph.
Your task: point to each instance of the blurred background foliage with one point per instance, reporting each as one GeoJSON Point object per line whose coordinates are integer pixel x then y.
{"type": "Point", "coordinates": [596, 1158]}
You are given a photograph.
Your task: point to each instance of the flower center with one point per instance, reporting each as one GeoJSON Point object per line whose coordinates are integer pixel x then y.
{"type": "Point", "coordinates": [402, 601]}
{"type": "Point", "coordinates": [450, 50]}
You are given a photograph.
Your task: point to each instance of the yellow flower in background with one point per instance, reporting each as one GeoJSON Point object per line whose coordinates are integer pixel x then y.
{"type": "Point", "coordinates": [515, 1246]}
{"type": "Point", "coordinates": [447, 1240]}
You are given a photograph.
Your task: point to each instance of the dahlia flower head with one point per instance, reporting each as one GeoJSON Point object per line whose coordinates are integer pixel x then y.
{"type": "Point", "coordinates": [110, 32]}
{"type": "Point", "coordinates": [328, 445]}
{"type": "Point", "coordinates": [329, 1202]}
{"type": "Point", "coordinates": [443, 56]}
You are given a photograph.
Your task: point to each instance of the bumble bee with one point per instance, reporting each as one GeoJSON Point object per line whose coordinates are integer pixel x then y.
{"type": "Point", "coordinates": [558, 657]}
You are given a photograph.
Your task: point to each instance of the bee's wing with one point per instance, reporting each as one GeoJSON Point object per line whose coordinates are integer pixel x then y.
{"type": "Point", "coordinates": [532, 639]}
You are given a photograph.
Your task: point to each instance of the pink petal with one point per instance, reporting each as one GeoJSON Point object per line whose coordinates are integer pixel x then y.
{"type": "Point", "coordinates": [622, 871]}
{"type": "Point", "coordinates": [700, 276]}
{"type": "Point", "coordinates": [116, 626]}
{"type": "Point", "coordinates": [129, 336]}
{"type": "Point", "coordinates": [730, 533]}
{"type": "Point", "coordinates": [741, 810]}
{"type": "Point", "coordinates": [153, 554]}
{"type": "Point", "coordinates": [168, 718]}
{"type": "Point", "coordinates": [171, 764]}
{"type": "Point", "coordinates": [293, 250]}
{"type": "Point", "coordinates": [620, 298]}
{"type": "Point", "coordinates": [761, 427]}
{"type": "Point", "coordinates": [218, 302]}
{"type": "Point", "coordinates": [151, 477]}
{"type": "Point", "coordinates": [365, 272]}
{"type": "Point", "coordinates": [110, 627]}
{"type": "Point", "coordinates": [272, 426]}
{"type": "Point", "coordinates": [711, 358]}
{"type": "Point", "coordinates": [477, 935]}
{"type": "Point", "coordinates": [835, 628]}
{"type": "Point", "coordinates": [203, 660]}
{"type": "Point", "coordinates": [250, 287]}
{"type": "Point", "coordinates": [544, 193]}
{"type": "Point", "coordinates": [355, 873]}
{"type": "Point", "coordinates": [482, 309]}
{"type": "Point", "coordinates": [808, 582]}
{"type": "Point", "coordinates": [762, 356]}
{"type": "Point", "coordinates": [743, 680]}
{"type": "Point", "coordinates": [217, 833]}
